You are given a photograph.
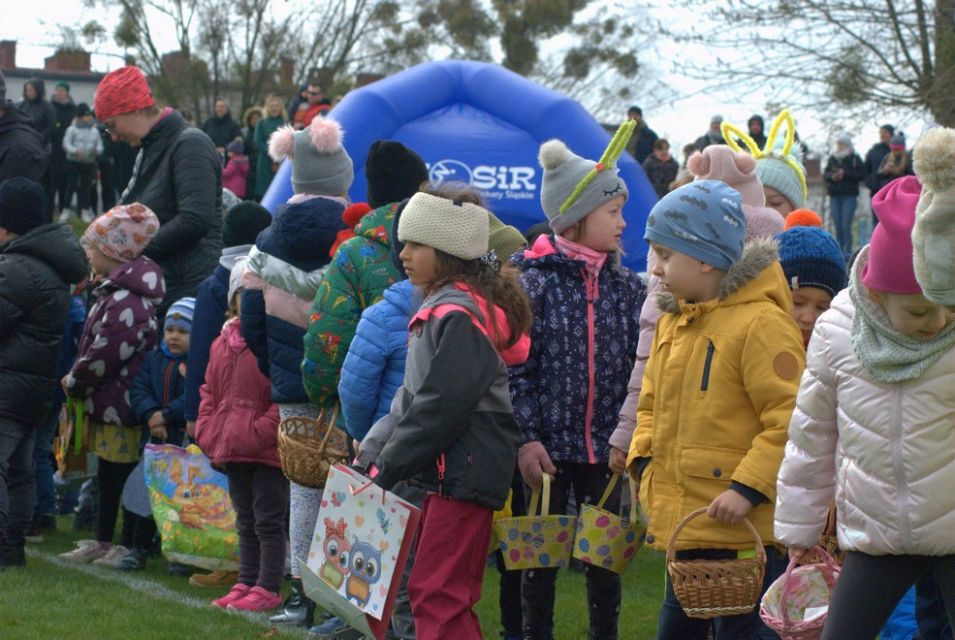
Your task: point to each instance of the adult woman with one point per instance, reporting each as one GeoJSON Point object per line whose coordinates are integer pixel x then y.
{"type": "Point", "coordinates": [265, 170]}
{"type": "Point", "coordinates": [844, 171]}
{"type": "Point", "coordinates": [250, 119]}
{"type": "Point", "coordinates": [177, 175]}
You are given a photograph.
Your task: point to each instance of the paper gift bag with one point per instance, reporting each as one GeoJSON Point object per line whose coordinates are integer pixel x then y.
{"type": "Point", "coordinates": [72, 440]}
{"type": "Point", "coordinates": [359, 550]}
{"type": "Point", "coordinates": [604, 539]}
{"type": "Point", "coordinates": [536, 541]}
{"type": "Point", "coordinates": [191, 505]}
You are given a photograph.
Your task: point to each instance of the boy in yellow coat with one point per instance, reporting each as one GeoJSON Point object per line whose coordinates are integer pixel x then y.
{"type": "Point", "coordinates": [718, 392]}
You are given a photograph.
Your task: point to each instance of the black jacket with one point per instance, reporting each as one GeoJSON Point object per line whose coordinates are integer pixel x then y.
{"type": "Point", "coordinates": [22, 152]}
{"type": "Point", "coordinates": [853, 173]}
{"type": "Point", "coordinates": [660, 174]}
{"type": "Point", "coordinates": [873, 160]}
{"type": "Point", "coordinates": [179, 177]}
{"type": "Point", "coordinates": [222, 130]}
{"type": "Point", "coordinates": [40, 110]}
{"type": "Point", "coordinates": [65, 112]}
{"type": "Point", "coordinates": [36, 271]}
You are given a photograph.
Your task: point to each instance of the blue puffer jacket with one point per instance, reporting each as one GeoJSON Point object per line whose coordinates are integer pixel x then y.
{"type": "Point", "coordinates": [375, 365]}
{"type": "Point", "coordinates": [159, 386]}
{"type": "Point", "coordinates": [563, 376]}
{"type": "Point", "coordinates": [207, 320]}
{"type": "Point", "coordinates": [284, 270]}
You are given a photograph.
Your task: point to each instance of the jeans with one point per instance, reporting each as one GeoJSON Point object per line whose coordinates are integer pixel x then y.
{"type": "Point", "coordinates": [17, 483]}
{"type": "Point", "coordinates": [843, 210]}
{"type": "Point", "coordinates": [603, 586]}
{"type": "Point", "coordinates": [870, 587]}
{"type": "Point", "coordinates": [42, 451]}
{"type": "Point", "coordinates": [676, 625]}
{"type": "Point", "coordinates": [80, 175]}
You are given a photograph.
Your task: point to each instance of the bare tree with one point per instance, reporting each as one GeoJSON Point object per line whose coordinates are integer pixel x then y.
{"type": "Point", "coordinates": [864, 55]}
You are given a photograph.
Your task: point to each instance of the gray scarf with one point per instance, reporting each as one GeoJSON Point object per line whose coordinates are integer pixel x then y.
{"type": "Point", "coordinates": [886, 354]}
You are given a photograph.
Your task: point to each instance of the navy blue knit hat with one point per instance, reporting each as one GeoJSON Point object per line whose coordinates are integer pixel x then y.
{"type": "Point", "coordinates": [703, 219]}
{"type": "Point", "coordinates": [811, 258]}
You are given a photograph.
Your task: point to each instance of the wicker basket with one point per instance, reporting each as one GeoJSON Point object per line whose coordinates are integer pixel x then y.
{"type": "Point", "coordinates": [714, 588]}
{"type": "Point", "coordinates": [308, 447]}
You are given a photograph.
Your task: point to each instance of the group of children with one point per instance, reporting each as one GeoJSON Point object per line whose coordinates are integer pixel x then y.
{"type": "Point", "coordinates": [458, 355]}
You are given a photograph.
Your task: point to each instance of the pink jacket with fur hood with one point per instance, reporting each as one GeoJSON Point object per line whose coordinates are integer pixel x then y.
{"type": "Point", "coordinates": [238, 422]}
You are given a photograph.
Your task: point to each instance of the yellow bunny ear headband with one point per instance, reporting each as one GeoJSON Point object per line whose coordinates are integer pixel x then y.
{"type": "Point", "coordinates": [787, 154]}
{"type": "Point", "coordinates": [573, 186]}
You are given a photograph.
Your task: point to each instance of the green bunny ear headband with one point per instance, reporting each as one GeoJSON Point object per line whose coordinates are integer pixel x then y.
{"type": "Point", "coordinates": [608, 161]}
{"type": "Point", "coordinates": [731, 132]}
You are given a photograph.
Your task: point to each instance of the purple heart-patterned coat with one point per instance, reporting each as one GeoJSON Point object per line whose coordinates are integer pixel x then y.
{"type": "Point", "coordinates": [120, 331]}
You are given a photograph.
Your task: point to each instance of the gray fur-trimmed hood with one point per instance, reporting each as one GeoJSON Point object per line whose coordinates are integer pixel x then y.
{"type": "Point", "coordinates": [757, 255]}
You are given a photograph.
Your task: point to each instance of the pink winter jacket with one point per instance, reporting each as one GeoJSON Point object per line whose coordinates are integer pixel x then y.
{"type": "Point", "coordinates": [886, 451]}
{"type": "Point", "coordinates": [238, 421]}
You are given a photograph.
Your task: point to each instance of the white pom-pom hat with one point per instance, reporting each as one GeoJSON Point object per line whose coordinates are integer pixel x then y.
{"type": "Point", "coordinates": [320, 164]}
{"type": "Point", "coordinates": [933, 235]}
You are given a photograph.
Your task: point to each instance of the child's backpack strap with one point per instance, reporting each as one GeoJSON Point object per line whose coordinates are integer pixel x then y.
{"type": "Point", "coordinates": [442, 310]}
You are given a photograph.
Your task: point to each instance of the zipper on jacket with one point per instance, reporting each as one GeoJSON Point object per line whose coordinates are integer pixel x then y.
{"type": "Point", "coordinates": [441, 468]}
{"type": "Point", "coordinates": [165, 385]}
{"type": "Point", "coordinates": [905, 529]}
{"type": "Point", "coordinates": [710, 350]}
{"type": "Point", "coordinates": [591, 287]}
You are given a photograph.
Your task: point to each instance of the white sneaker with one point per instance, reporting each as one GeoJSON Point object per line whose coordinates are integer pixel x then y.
{"type": "Point", "coordinates": [65, 215]}
{"type": "Point", "coordinates": [87, 215]}
{"type": "Point", "coordinates": [113, 557]}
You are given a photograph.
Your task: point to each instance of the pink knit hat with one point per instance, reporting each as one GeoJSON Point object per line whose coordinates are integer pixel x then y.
{"type": "Point", "coordinates": [890, 266]}
{"type": "Point", "coordinates": [123, 232]}
{"type": "Point", "coordinates": [738, 170]}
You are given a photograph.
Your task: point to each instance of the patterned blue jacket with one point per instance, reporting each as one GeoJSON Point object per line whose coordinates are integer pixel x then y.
{"type": "Point", "coordinates": [565, 375]}
{"type": "Point", "coordinates": [375, 365]}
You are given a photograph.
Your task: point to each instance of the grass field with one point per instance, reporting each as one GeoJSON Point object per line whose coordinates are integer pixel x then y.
{"type": "Point", "coordinates": [50, 600]}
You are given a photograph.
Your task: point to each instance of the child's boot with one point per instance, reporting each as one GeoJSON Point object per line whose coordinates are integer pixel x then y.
{"type": "Point", "coordinates": [135, 560]}
{"type": "Point", "coordinates": [297, 609]}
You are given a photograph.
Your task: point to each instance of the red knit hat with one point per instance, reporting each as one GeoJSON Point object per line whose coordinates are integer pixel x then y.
{"type": "Point", "coordinates": [122, 91]}
{"type": "Point", "coordinates": [890, 266]}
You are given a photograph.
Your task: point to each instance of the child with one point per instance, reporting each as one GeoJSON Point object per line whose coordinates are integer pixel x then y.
{"type": "Point", "coordinates": [157, 399]}
{"type": "Point", "coordinates": [454, 433]}
{"type": "Point", "coordinates": [778, 164]}
{"type": "Point", "coordinates": [283, 274]}
{"type": "Point", "coordinates": [584, 338]}
{"type": "Point", "coordinates": [235, 174]}
{"type": "Point", "coordinates": [872, 429]}
{"type": "Point", "coordinates": [120, 331]}
{"type": "Point", "coordinates": [718, 391]}
{"type": "Point", "coordinates": [238, 429]}
{"type": "Point", "coordinates": [815, 270]}
{"type": "Point", "coordinates": [83, 145]}
{"type": "Point", "coordinates": [38, 263]}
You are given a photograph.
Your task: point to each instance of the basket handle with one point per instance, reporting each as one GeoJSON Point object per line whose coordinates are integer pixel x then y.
{"type": "Point", "coordinates": [331, 425]}
{"type": "Point", "coordinates": [634, 501]}
{"type": "Point", "coordinates": [536, 497]}
{"type": "Point", "coordinates": [828, 575]}
{"type": "Point", "coordinates": [609, 490]}
{"type": "Point", "coordinates": [671, 551]}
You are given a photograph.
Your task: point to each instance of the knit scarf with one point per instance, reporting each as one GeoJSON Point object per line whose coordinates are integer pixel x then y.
{"type": "Point", "coordinates": [886, 354]}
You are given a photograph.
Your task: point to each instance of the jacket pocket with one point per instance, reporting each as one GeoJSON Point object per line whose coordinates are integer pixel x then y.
{"type": "Point", "coordinates": [707, 472]}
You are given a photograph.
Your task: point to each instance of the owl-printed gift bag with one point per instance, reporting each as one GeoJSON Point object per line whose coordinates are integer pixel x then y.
{"type": "Point", "coordinates": [359, 550]}
{"type": "Point", "coordinates": [191, 505]}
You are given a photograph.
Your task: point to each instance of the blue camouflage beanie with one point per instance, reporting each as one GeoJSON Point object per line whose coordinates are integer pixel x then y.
{"type": "Point", "coordinates": [810, 257]}
{"type": "Point", "coordinates": [703, 219]}
{"type": "Point", "coordinates": [180, 314]}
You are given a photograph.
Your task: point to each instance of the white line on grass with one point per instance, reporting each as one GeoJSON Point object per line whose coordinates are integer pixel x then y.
{"type": "Point", "coordinates": [153, 589]}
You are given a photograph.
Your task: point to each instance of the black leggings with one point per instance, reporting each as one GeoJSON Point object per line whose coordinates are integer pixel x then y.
{"type": "Point", "coordinates": [112, 478]}
{"type": "Point", "coordinates": [870, 587]}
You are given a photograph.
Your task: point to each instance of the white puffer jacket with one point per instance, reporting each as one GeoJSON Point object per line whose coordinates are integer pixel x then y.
{"type": "Point", "coordinates": [886, 451]}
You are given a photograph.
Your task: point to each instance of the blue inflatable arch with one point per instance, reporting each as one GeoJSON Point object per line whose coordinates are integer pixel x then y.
{"type": "Point", "coordinates": [481, 124]}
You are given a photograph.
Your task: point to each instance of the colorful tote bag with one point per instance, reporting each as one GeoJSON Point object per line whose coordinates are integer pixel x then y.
{"type": "Point", "coordinates": [72, 440]}
{"type": "Point", "coordinates": [359, 550]}
{"type": "Point", "coordinates": [604, 539]}
{"type": "Point", "coordinates": [191, 505]}
{"type": "Point", "coordinates": [536, 541]}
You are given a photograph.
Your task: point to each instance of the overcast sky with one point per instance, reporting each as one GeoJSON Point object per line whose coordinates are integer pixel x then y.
{"type": "Point", "coordinates": [681, 122]}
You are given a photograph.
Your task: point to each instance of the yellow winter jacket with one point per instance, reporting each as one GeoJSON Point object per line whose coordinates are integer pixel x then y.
{"type": "Point", "coordinates": [718, 394]}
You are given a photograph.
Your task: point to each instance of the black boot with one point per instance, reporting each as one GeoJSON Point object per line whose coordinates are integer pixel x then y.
{"type": "Point", "coordinates": [12, 553]}
{"type": "Point", "coordinates": [297, 609]}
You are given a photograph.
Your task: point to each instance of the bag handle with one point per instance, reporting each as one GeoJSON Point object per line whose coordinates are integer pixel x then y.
{"type": "Point", "coordinates": [614, 478]}
{"type": "Point", "coordinates": [634, 501]}
{"type": "Point", "coordinates": [671, 551]}
{"type": "Point", "coordinates": [76, 414]}
{"type": "Point", "coordinates": [536, 496]}
{"type": "Point", "coordinates": [828, 573]}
